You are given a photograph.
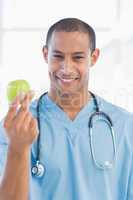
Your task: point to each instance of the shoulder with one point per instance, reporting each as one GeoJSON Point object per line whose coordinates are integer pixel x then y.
{"type": "Point", "coordinates": [114, 110]}
{"type": "Point", "coordinates": [43, 102]}
{"type": "Point", "coordinates": [33, 108]}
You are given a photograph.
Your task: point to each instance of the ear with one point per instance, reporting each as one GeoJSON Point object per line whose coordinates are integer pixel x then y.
{"type": "Point", "coordinates": [45, 53]}
{"type": "Point", "coordinates": [94, 56]}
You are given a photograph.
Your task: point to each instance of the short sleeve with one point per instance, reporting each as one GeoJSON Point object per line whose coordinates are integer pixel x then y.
{"type": "Point", "coordinates": [33, 108]}
{"type": "Point", "coordinates": [3, 149]}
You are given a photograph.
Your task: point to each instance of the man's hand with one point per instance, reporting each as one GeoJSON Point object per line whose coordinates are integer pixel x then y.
{"type": "Point", "coordinates": [21, 129]}
{"type": "Point", "coordinates": [20, 126]}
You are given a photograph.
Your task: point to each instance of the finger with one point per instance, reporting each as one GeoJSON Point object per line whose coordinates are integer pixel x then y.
{"type": "Point", "coordinates": [12, 111]}
{"type": "Point", "coordinates": [34, 128]}
{"type": "Point", "coordinates": [27, 100]}
{"type": "Point", "coordinates": [26, 121]}
{"type": "Point", "coordinates": [24, 109]}
{"type": "Point", "coordinates": [33, 125]}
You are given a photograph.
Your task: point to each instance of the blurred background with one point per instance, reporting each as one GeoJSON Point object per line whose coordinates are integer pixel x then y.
{"type": "Point", "coordinates": [23, 28]}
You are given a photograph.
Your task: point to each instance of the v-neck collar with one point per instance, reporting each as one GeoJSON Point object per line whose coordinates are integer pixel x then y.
{"type": "Point", "coordinates": [56, 112]}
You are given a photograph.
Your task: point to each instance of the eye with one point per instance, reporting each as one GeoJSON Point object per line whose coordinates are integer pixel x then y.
{"type": "Point", "coordinates": [78, 57]}
{"type": "Point", "coordinates": [58, 56]}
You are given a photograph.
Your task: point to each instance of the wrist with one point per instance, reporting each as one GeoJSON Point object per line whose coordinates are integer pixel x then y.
{"type": "Point", "coordinates": [18, 150]}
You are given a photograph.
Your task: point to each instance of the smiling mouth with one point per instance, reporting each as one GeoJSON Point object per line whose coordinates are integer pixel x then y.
{"type": "Point", "coordinates": [67, 80]}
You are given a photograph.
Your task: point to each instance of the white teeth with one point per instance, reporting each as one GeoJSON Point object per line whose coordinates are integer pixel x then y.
{"type": "Point", "coordinates": [67, 80]}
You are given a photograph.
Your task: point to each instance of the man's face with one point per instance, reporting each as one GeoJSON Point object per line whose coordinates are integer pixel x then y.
{"type": "Point", "coordinates": [69, 58]}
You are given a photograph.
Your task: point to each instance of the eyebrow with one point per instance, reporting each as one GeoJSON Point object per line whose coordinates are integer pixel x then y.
{"type": "Point", "coordinates": [75, 53]}
{"type": "Point", "coordinates": [57, 51]}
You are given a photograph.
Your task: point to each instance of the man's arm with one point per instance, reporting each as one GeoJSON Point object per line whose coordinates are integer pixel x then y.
{"type": "Point", "coordinates": [21, 129]}
{"type": "Point", "coordinates": [15, 183]}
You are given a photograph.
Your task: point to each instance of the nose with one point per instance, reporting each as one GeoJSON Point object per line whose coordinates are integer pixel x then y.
{"type": "Point", "coordinates": [67, 65]}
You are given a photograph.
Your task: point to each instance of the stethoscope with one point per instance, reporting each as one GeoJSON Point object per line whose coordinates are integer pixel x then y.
{"type": "Point", "coordinates": [38, 169]}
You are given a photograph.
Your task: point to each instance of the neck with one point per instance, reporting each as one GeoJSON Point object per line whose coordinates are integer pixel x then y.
{"type": "Point", "coordinates": [71, 103]}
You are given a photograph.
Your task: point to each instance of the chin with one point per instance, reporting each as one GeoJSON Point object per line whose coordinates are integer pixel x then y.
{"type": "Point", "coordinates": [67, 93]}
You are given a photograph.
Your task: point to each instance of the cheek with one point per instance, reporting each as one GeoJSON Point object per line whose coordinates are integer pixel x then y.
{"type": "Point", "coordinates": [84, 72]}
{"type": "Point", "coordinates": [53, 66]}
{"type": "Point", "coordinates": [52, 69]}
{"type": "Point", "coordinates": [51, 75]}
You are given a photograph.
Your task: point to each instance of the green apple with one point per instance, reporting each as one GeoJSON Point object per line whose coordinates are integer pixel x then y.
{"type": "Point", "coordinates": [16, 87]}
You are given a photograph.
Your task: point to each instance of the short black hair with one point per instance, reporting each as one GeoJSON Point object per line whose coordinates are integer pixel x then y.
{"type": "Point", "coordinates": [72, 25]}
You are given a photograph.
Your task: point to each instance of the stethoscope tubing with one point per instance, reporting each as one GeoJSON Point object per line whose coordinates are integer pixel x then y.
{"type": "Point", "coordinates": [38, 170]}
{"type": "Point", "coordinates": [107, 164]}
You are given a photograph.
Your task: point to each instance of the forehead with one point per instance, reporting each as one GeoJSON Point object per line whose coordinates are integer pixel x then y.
{"type": "Point", "coordinates": [66, 41]}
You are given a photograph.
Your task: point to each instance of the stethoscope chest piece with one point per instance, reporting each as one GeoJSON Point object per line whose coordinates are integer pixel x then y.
{"type": "Point", "coordinates": [38, 170]}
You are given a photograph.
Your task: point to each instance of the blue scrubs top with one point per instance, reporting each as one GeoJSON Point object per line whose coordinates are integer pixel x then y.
{"type": "Point", "coordinates": [65, 152]}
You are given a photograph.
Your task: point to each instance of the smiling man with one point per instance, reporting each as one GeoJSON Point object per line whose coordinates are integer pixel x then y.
{"type": "Point", "coordinates": [69, 56]}
{"type": "Point", "coordinates": [63, 147]}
